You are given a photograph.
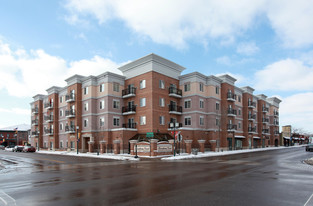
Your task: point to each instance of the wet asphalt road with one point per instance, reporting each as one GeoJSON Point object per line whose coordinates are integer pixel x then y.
{"type": "Point", "coordinates": [260, 178]}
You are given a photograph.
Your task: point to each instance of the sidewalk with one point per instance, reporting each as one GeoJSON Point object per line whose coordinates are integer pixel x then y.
{"type": "Point", "coordinates": [177, 157]}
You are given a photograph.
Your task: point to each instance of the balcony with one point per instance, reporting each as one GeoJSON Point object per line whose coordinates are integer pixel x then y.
{"type": "Point", "coordinates": [265, 131]}
{"type": "Point", "coordinates": [179, 125]}
{"type": "Point", "coordinates": [70, 98]}
{"type": "Point", "coordinates": [130, 125]}
{"type": "Point", "coordinates": [129, 110]}
{"type": "Point", "coordinates": [231, 127]}
{"type": "Point", "coordinates": [174, 92]}
{"type": "Point", "coordinates": [276, 132]}
{"type": "Point", "coordinates": [231, 97]}
{"type": "Point", "coordinates": [49, 105]}
{"type": "Point", "coordinates": [70, 113]}
{"type": "Point", "coordinates": [131, 92]}
{"type": "Point", "coordinates": [251, 117]}
{"type": "Point", "coordinates": [252, 104]}
{"type": "Point", "coordinates": [276, 123]}
{"type": "Point", "coordinates": [35, 122]}
{"type": "Point", "coordinates": [251, 129]}
{"type": "Point", "coordinates": [265, 109]}
{"type": "Point", "coordinates": [276, 113]}
{"type": "Point", "coordinates": [70, 129]}
{"type": "Point", "coordinates": [35, 133]}
{"type": "Point", "coordinates": [174, 109]}
{"type": "Point", "coordinates": [231, 112]}
{"type": "Point", "coordinates": [265, 120]}
{"type": "Point", "coordinates": [35, 110]}
{"type": "Point", "coordinates": [48, 118]}
{"type": "Point", "coordinates": [49, 131]}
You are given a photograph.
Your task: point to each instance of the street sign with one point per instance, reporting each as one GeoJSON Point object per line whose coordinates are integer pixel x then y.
{"type": "Point", "coordinates": [149, 134]}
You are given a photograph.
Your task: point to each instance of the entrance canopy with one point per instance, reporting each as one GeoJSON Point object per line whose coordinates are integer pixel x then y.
{"type": "Point", "coordinates": [286, 137]}
{"type": "Point", "coordinates": [158, 136]}
{"type": "Point", "coordinates": [256, 138]}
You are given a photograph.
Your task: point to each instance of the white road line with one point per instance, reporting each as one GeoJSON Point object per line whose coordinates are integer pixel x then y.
{"type": "Point", "coordinates": [306, 204]}
{"type": "Point", "coordinates": [7, 199]}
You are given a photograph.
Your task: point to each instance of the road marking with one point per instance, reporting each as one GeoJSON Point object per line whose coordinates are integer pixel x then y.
{"type": "Point", "coordinates": [50, 160]}
{"type": "Point", "coordinates": [7, 199]}
{"type": "Point", "coordinates": [306, 204]}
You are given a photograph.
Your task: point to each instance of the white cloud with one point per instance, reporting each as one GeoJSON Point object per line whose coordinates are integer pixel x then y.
{"type": "Point", "coordinates": [247, 48]}
{"type": "Point", "coordinates": [297, 110]}
{"type": "Point", "coordinates": [24, 73]}
{"type": "Point", "coordinates": [285, 75]}
{"type": "Point", "coordinates": [177, 21]}
{"type": "Point", "coordinates": [240, 79]}
{"type": "Point", "coordinates": [224, 60]}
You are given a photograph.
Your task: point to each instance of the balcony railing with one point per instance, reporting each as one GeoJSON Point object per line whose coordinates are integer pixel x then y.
{"type": "Point", "coordinates": [265, 120]}
{"type": "Point", "coordinates": [174, 92]}
{"type": "Point", "coordinates": [251, 117]}
{"type": "Point", "coordinates": [70, 98]}
{"type": "Point", "coordinates": [129, 110]}
{"type": "Point", "coordinates": [231, 96]}
{"type": "Point", "coordinates": [48, 118]}
{"type": "Point", "coordinates": [70, 129]}
{"type": "Point", "coordinates": [35, 133]}
{"type": "Point", "coordinates": [251, 129]}
{"type": "Point", "coordinates": [251, 104]}
{"type": "Point", "coordinates": [49, 105]}
{"type": "Point", "coordinates": [35, 110]}
{"type": "Point", "coordinates": [130, 92]}
{"type": "Point", "coordinates": [265, 109]}
{"type": "Point", "coordinates": [276, 113]}
{"type": "Point", "coordinates": [276, 122]}
{"type": "Point", "coordinates": [265, 131]}
{"type": "Point", "coordinates": [231, 127]}
{"type": "Point", "coordinates": [49, 131]}
{"type": "Point", "coordinates": [178, 125]}
{"type": "Point", "coordinates": [130, 125]}
{"type": "Point", "coordinates": [276, 132]}
{"type": "Point", "coordinates": [231, 112]}
{"type": "Point", "coordinates": [174, 109]}
{"type": "Point", "coordinates": [70, 113]}
{"type": "Point", "coordinates": [35, 122]}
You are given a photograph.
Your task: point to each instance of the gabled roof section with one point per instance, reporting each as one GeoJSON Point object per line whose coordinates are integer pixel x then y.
{"type": "Point", "coordinates": [151, 62]}
{"type": "Point", "coordinates": [274, 101]}
{"type": "Point", "coordinates": [248, 89]}
{"type": "Point", "coordinates": [53, 90]}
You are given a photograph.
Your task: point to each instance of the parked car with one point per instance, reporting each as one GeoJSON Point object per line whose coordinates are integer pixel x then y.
{"type": "Point", "coordinates": [309, 147]}
{"type": "Point", "coordinates": [29, 149]}
{"type": "Point", "coordinates": [18, 148]}
{"type": "Point", "coordinates": [2, 147]}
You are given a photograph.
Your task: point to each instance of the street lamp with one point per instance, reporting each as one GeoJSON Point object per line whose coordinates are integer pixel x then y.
{"type": "Point", "coordinates": [38, 140]}
{"type": "Point", "coordinates": [174, 125]}
{"type": "Point", "coordinates": [77, 128]}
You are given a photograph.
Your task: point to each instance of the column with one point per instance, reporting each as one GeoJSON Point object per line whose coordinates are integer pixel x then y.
{"type": "Point", "coordinates": [154, 147]}
{"type": "Point", "coordinates": [188, 145]}
{"type": "Point", "coordinates": [90, 146]}
{"type": "Point", "coordinates": [201, 143]}
{"type": "Point", "coordinates": [102, 146]}
{"type": "Point", "coordinates": [116, 145]}
{"type": "Point", "coordinates": [171, 141]}
{"type": "Point", "coordinates": [132, 146]}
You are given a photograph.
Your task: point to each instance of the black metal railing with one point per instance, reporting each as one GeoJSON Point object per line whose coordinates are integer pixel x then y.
{"type": "Point", "coordinates": [231, 127]}
{"type": "Point", "coordinates": [49, 131]}
{"type": "Point", "coordinates": [251, 129]}
{"type": "Point", "coordinates": [129, 91]}
{"type": "Point", "coordinates": [276, 113]}
{"type": "Point", "coordinates": [174, 90]}
{"type": "Point", "coordinates": [35, 110]}
{"type": "Point", "coordinates": [231, 111]}
{"type": "Point", "coordinates": [49, 105]}
{"type": "Point", "coordinates": [70, 112]}
{"type": "Point", "coordinates": [265, 109]}
{"type": "Point", "coordinates": [129, 109]}
{"type": "Point", "coordinates": [130, 125]}
{"type": "Point", "coordinates": [175, 108]}
{"type": "Point", "coordinates": [265, 120]}
{"type": "Point", "coordinates": [231, 96]}
{"type": "Point", "coordinates": [265, 131]}
{"type": "Point", "coordinates": [251, 104]}
{"type": "Point", "coordinates": [70, 97]}
{"type": "Point", "coordinates": [251, 116]}
{"type": "Point", "coordinates": [35, 121]}
{"type": "Point", "coordinates": [35, 133]}
{"type": "Point", "coordinates": [48, 118]}
{"type": "Point", "coordinates": [70, 128]}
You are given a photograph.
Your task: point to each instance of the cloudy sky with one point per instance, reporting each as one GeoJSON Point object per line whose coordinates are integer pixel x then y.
{"type": "Point", "coordinates": [266, 44]}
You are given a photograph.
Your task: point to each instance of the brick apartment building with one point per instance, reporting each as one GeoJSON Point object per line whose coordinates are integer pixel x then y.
{"type": "Point", "coordinates": [110, 112]}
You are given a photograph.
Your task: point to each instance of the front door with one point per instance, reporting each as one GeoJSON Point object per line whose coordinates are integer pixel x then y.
{"type": "Point", "coordinates": [263, 143]}
{"type": "Point", "coordinates": [230, 143]}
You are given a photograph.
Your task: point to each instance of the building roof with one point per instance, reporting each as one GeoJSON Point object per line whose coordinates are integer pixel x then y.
{"type": "Point", "coordinates": [20, 127]}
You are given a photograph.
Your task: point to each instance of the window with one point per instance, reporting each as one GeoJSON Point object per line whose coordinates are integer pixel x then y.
{"type": "Point", "coordinates": [116, 104]}
{"type": "Point", "coordinates": [61, 113]}
{"type": "Point", "coordinates": [161, 84]}
{"type": "Point", "coordinates": [142, 102]}
{"type": "Point", "coordinates": [102, 104]}
{"type": "Point", "coordinates": [86, 106]}
{"type": "Point", "coordinates": [201, 120]}
{"type": "Point", "coordinates": [239, 98]}
{"type": "Point", "coordinates": [45, 144]}
{"type": "Point", "coordinates": [61, 126]}
{"type": "Point", "coordinates": [187, 103]}
{"type": "Point", "coordinates": [61, 99]}
{"type": "Point", "coordinates": [85, 90]}
{"type": "Point", "coordinates": [162, 120]}
{"type": "Point", "coordinates": [101, 122]}
{"type": "Point", "coordinates": [239, 111]}
{"type": "Point", "coordinates": [201, 103]}
{"type": "Point", "coordinates": [101, 87]}
{"type": "Point", "coordinates": [61, 144]}
{"type": "Point", "coordinates": [217, 89]}
{"type": "Point", "coordinates": [143, 120]}
{"type": "Point", "coordinates": [239, 125]}
{"type": "Point", "coordinates": [116, 87]}
{"type": "Point", "coordinates": [116, 121]}
{"type": "Point", "coordinates": [72, 145]}
{"type": "Point", "coordinates": [217, 122]}
{"type": "Point", "coordinates": [162, 102]}
{"type": "Point", "coordinates": [217, 106]}
{"type": "Point", "coordinates": [187, 87]}
{"type": "Point", "coordinates": [187, 120]}
{"type": "Point", "coordinates": [142, 84]}
{"type": "Point", "coordinates": [86, 123]}
{"type": "Point", "coordinates": [201, 87]}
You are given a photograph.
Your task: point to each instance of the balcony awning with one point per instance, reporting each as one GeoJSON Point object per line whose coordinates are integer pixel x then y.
{"type": "Point", "coordinates": [286, 137]}
{"type": "Point", "coordinates": [256, 138]}
{"type": "Point", "coordinates": [241, 137]}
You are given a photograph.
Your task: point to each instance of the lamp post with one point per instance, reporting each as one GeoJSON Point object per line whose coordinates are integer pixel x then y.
{"type": "Point", "coordinates": [38, 140]}
{"type": "Point", "coordinates": [173, 125]}
{"type": "Point", "coordinates": [77, 128]}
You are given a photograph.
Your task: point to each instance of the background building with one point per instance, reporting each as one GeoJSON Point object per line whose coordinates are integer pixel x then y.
{"type": "Point", "coordinates": [15, 135]}
{"type": "Point", "coordinates": [109, 110]}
